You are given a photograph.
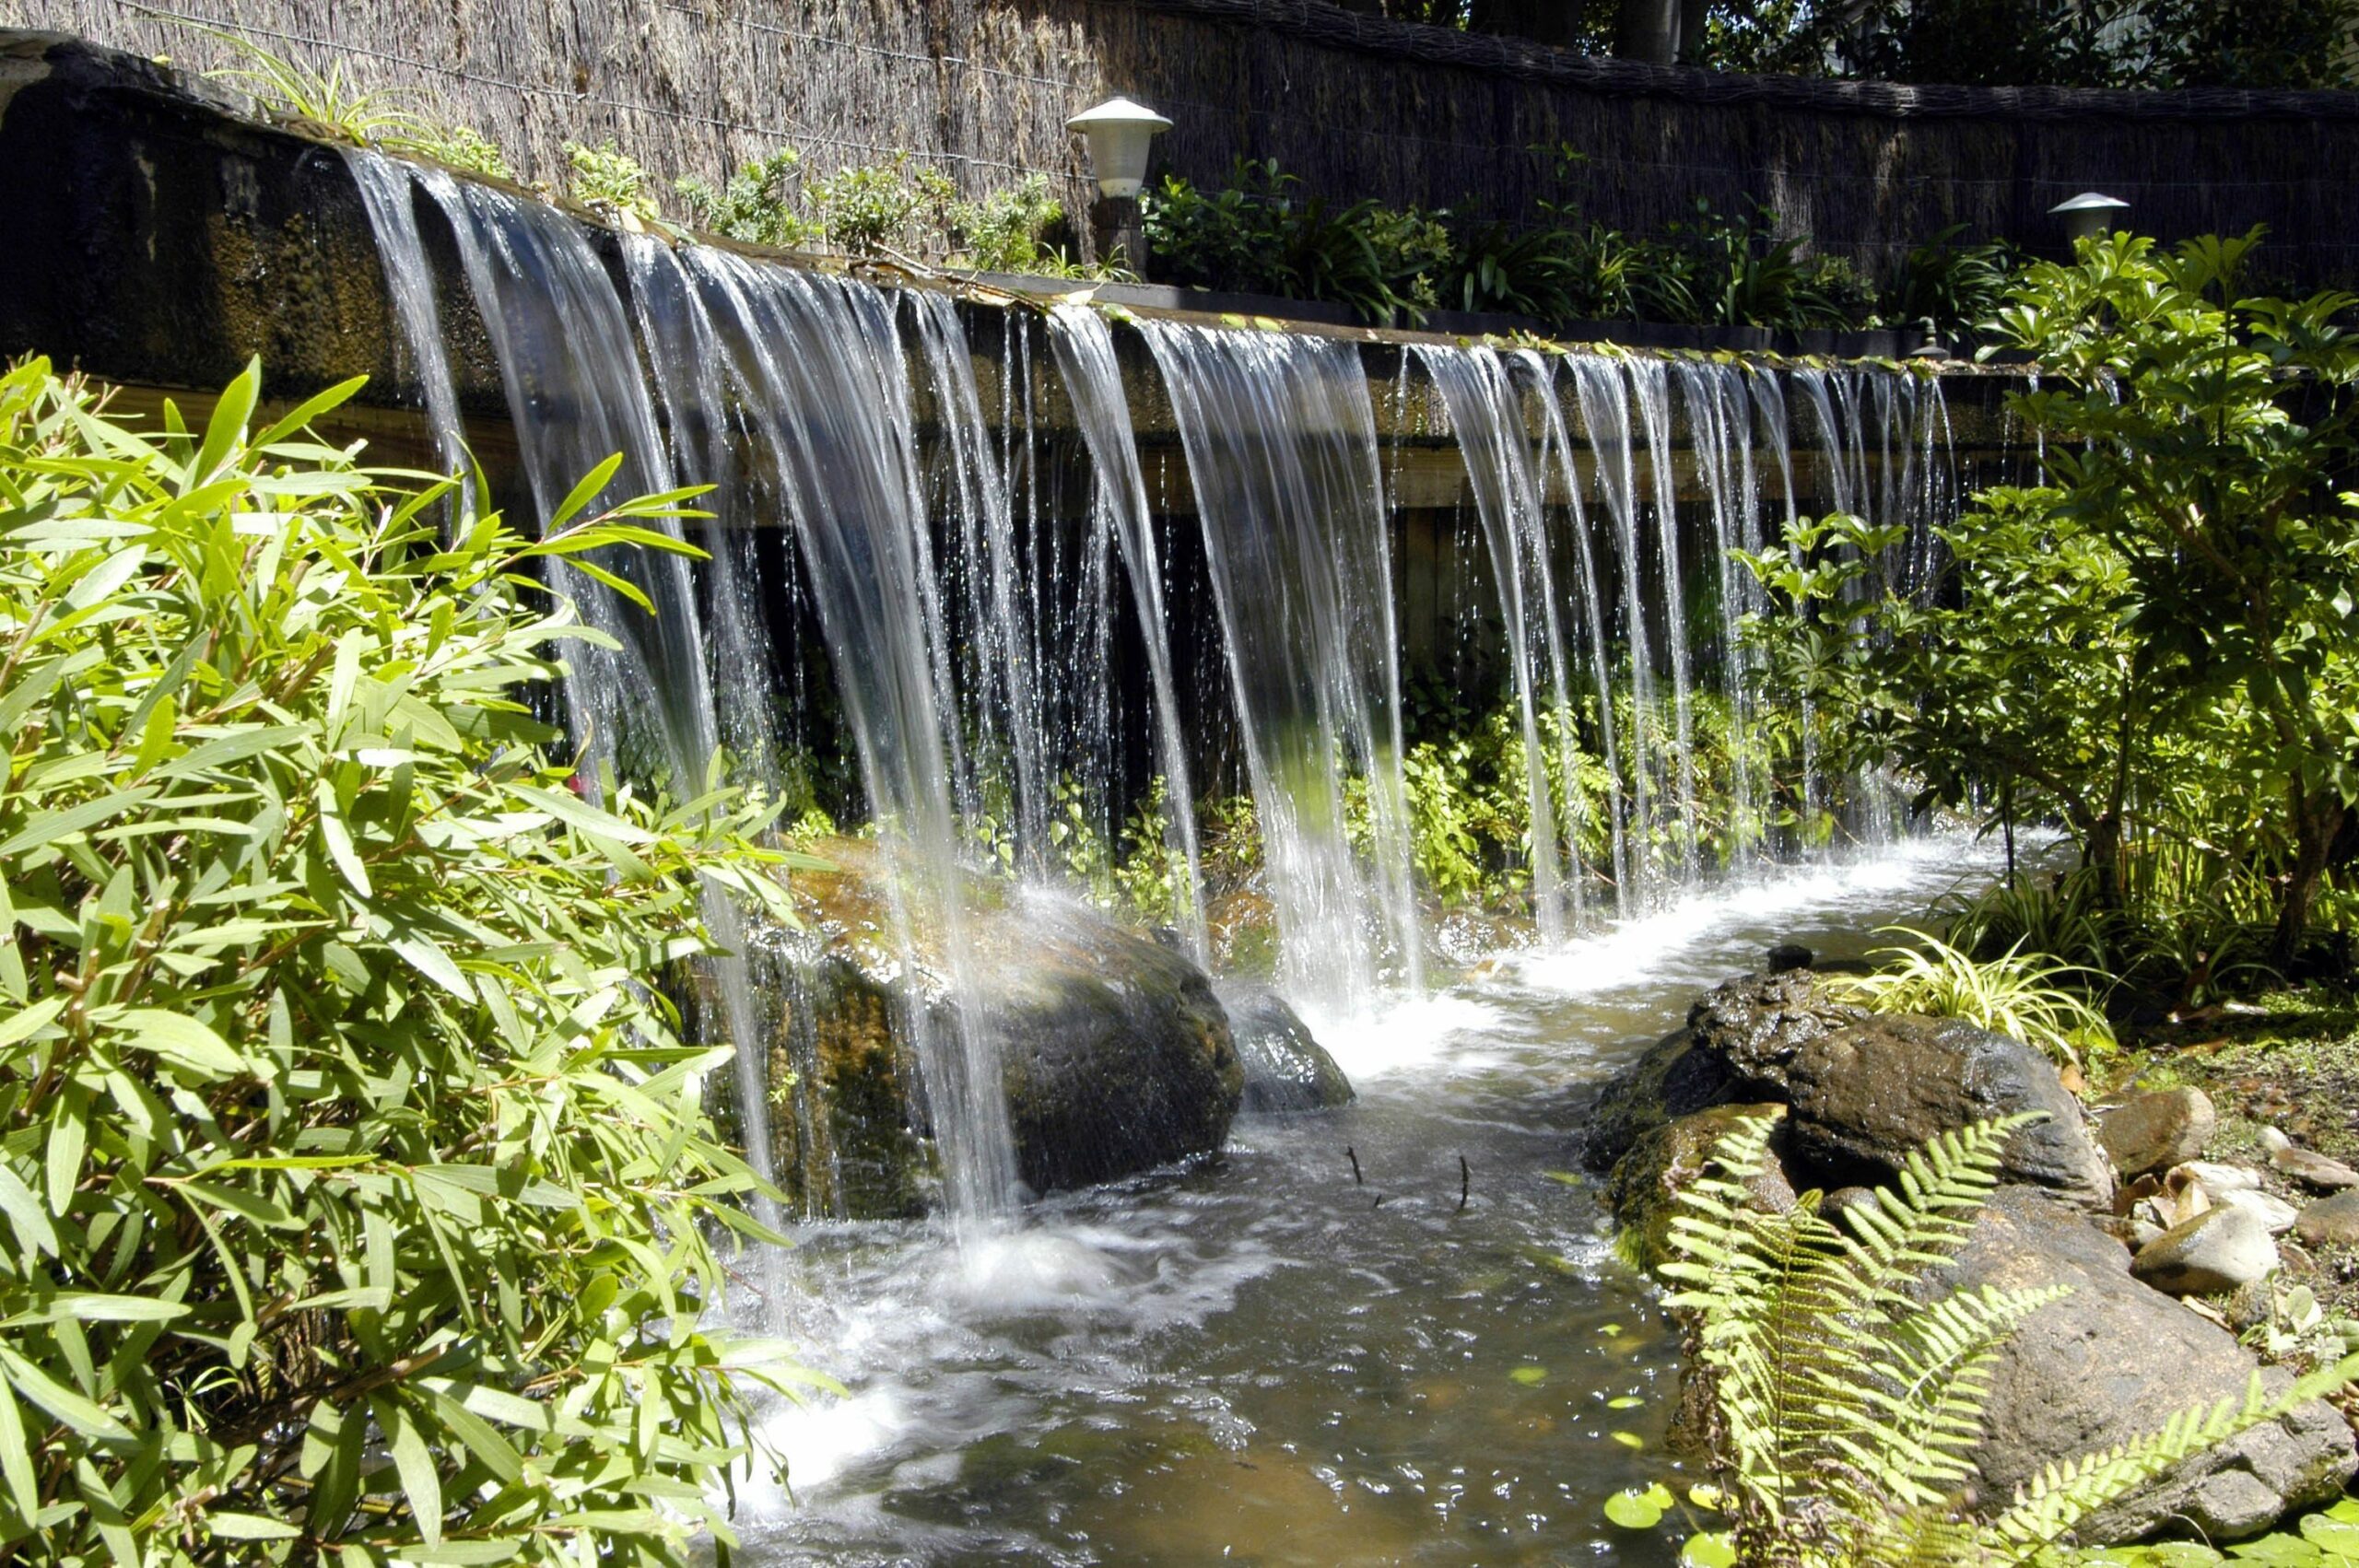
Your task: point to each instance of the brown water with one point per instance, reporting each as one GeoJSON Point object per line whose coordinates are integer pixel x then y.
{"type": "Point", "coordinates": [1263, 1359]}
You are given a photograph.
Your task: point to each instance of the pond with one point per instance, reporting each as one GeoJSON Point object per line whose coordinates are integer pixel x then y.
{"type": "Point", "coordinates": [1309, 1351]}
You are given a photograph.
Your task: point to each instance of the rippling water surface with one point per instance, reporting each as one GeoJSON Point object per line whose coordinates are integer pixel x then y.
{"type": "Point", "coordinates": [1266, 1360]}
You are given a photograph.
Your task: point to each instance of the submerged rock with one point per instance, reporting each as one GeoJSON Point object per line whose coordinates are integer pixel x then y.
{"type": "Point", "coordinates": [2113, 1361]}
{"type": "Point", "coordinates": [1285, 1069]}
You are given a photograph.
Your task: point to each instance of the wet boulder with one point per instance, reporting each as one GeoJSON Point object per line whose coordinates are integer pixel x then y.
{"type": "Point", "coordinates": [1866, 1096]}
{"type": "Point", "coordinates": [1754, 1023]}
{"type": "Point", "coordinates": [1285, 1069]}
{"type": "Point", "coordinates": [1643, 1190]}
{"type": "Point", "coordinates": [2113, 1361]}
{"type": "Point", "coordinates": [1117, 1055]}
{"type": "Point", "coordinates": [1737, 1039]}
{"type": "Point", "coordinates": [1114, 1054]}
{"type": "Point", "coordinates": [1675, 1078]}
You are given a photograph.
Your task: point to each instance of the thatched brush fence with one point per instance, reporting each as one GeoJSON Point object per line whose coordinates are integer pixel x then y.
{"type": "Point", "coordinates": [1357, 105]}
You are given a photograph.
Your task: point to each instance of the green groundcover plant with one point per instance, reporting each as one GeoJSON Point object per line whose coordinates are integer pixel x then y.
{"type": "Point", "coordinates": [356, 1202]}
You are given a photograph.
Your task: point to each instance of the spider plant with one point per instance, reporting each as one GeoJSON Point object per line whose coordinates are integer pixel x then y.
{"type": "Point", "coordinates": [2015, 993]}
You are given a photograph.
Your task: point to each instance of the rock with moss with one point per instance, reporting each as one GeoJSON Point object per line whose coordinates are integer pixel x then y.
{"type": "Point", "coordinates": [1643, 1190]}
{"type": "Point", "coordinates": [1116, 1056]}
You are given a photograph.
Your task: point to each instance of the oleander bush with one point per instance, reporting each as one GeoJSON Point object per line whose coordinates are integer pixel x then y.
{"type": "Point", "coordinates": [355, 1200]}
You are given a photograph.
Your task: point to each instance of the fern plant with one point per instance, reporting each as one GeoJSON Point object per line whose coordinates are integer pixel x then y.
{"type": "Point", "coordinates": [1843, 1412]}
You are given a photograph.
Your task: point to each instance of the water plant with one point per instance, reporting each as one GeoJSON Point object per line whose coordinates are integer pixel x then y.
{"type": "Point", "coordinates": [1843, 1405]}
{"type": "Point", "coordinates": [357, 1202]}
{"type": "Point", "coordinates": [330, 100]}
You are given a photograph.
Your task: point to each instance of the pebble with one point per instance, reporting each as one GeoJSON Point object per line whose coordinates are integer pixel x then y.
{"type": "Point", "coordinates": [2218, 1250]}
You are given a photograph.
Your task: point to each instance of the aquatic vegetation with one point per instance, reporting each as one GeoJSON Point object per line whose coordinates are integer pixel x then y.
{"type": "Point", "coordinates": [333, 100]}
{"type": "Point", "coordinates": [1843, 1414]}
{"type": "Point", "coordinates": [461, 147]}
{"type": "Point", "coordinates": [357, 1196]}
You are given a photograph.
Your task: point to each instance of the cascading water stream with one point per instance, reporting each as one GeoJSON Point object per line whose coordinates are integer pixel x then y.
{"type": "Point", "coordinates": [576, 397]}
{"type": "Point", "coordinates": [813, 370]}
{"type": "Point", "coordinates": [1556, 455]}
{"type": "Point", "coordinates": [1281, 442]}
{"type": "Point", "coordinates": [1605, 416]}
{"type": "Point", "coordinates": [1650, 393]}
{"type": "Point", "coordinates": [1093, 376]}
{"type": "Point", "coordinates": [1488, 418]}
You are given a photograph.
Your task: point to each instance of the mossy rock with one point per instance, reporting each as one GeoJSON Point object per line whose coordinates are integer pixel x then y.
{"type": "Point", "coordinates": [1643, 1190]}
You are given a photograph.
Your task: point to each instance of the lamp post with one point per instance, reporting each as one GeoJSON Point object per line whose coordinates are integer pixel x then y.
{"type": "Point", "coordinates": [2089, 216]}
{"type": "Point", "coordinates": [1118, 131]}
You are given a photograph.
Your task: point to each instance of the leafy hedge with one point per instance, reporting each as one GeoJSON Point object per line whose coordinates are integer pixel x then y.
{"type": "Point", "coordinates": [356, 1196]}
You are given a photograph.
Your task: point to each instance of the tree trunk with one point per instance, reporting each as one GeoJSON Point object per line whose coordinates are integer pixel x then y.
{"type": "Point", "coordinates": [1647, 30]}
{"type": "Point", "coordinates": [1694, 15]}
{"type": "Point", "coordinates": [2316, 824]}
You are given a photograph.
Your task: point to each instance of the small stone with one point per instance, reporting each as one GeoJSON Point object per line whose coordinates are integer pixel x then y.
{"type": "Point", "coordinates": [1789, 956]}
{"type": "Point", "coordinates": [2130, 1230]}
{"type": "Point", "coordinates": [2305, 1165]}
{"type": "Point", "coordinates": [2218, 1250]}
{"type": "Point", "coordinates": [2216, 1178]}
{"type": "Point", "coordinates": [2330, 1222]}
{"type": "Point", "coordinates": [2153, 1132]}
{"type": "Point", "coordinates": [2272, 1211]}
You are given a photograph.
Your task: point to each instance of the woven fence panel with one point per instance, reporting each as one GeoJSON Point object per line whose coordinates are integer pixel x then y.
{"type": "Point", "coordinates": [1355, 105]}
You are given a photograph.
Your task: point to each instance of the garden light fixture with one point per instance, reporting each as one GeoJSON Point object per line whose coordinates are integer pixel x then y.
{"type": "Point", "coordinates": [1118, 132]}
{"type": "Point", "coordinates": [2089, 215]}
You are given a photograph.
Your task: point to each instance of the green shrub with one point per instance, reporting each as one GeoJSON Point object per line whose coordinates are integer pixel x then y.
{"type": "Point", "coordinates": [611, 181]}
{"type": "Point", "coordinates": [756, 207]}
{"type": "Point", "coordinates": [354, 1187]}
{"type": "Point", "coordinates": [896, 207]}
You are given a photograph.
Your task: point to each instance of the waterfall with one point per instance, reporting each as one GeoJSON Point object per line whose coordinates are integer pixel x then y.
{"type": "Point", "coordinates": [815, 375]}
{"type": "Point", "coordinates": [969, 604]}
{"type": "Point", "coordinates": [1488, 418]}
{"type": "Point", "coordinates": [1280, 436]}
{"type": "Point", "coordinates": [1557, 456]}
{"type": "Point", "coordinates": [1084, 351]}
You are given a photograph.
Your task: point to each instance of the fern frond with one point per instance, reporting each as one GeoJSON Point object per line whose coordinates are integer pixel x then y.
{"type": "Point", "coordinates": [2051, 1503]}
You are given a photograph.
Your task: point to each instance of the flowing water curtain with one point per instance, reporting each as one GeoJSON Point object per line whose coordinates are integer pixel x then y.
{"type": "Point", "coordinates": [1280, 437]}
{"type": "Point", "coordinates": [1557, 457]}
{"type": "Point", "coordinates": [1718, 403]}
{"type": "Point", "coordinates": [1602, 395]}
{"type": "Point", "coordinates": [816, 373]}
{"type": "Point", "coordinates": [1487, 414]}
{"type": "Point", "coordinates": [1083, 346]}
{"type": "Point", "coordinates": [577, 396]}
{"type": "Point", "coordinates": [1651, 397]}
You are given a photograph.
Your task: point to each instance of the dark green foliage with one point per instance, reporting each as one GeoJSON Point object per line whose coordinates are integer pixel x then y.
{"type": "Point", "coordinates": [2085, 43]}
{"type": "Point", "coordinates": [2154, 648]}
{"type": "Point", "coordinates": [355, 1194]}
{"type": "Point", "coordinates": [1256, 235]}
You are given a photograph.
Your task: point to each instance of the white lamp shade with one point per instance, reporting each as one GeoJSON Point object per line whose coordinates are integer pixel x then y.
{"type": "Point", "coordinates": [2089, 213]}
{"type": "Point", "coordinates": [1118, 132]}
